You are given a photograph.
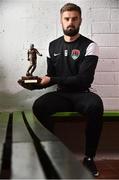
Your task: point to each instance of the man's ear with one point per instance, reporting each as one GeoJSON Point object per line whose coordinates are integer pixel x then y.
{"type": "Point", "coordinates": [81, 21]}
{"type": "Point", "coordinates": [60, 19]}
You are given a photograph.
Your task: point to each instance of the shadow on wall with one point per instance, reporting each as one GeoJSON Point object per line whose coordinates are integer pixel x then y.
{"type": "Point", "coordinates": [14, 102]}
{"type": "Point", "coordinates": [2, 76]}
{"type": "Point", "coordinates": [10, 102]}
{"type": "Point", "coordinates": [21, 100]}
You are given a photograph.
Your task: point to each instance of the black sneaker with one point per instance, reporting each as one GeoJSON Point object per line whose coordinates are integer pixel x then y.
{"type": "Point", "coordinates": [90, 165]}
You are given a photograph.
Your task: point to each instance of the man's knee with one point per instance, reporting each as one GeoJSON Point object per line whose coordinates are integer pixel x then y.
{"type": "Point", "coordinates": [38, 108]}
{"type": "Point", "coordinates": [96, 106]}
{"type": "Point", "coordinates": [34, 107]}
{"type": "Point", "coordinates": [42, 114]}
{"type": "Point", "coordinates": [42, 107]}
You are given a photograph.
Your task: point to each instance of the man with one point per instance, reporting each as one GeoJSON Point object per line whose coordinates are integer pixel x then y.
{"type": "Point", "coordinates": [71, 65]}
{"type": "Point", "coordinates": [32, 57]}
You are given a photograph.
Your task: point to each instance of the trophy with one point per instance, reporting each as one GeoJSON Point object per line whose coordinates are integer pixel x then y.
{"type": "Point", "coordinates": [29, 80]}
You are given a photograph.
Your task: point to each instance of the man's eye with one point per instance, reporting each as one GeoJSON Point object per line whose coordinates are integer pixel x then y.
{"type": "Point", "coordinates": [75, 19]}
{"type": "Point", "coordinates": [67, 19]}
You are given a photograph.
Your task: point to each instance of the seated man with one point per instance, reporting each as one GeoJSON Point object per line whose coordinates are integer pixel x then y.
{"type": "Point", "coordinates": [71, 65]}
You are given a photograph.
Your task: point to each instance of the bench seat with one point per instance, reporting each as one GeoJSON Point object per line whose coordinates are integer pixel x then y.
{"type": "Point", "coordinates": [30, 151]}
{"type": "Point", "coordinates": [106, 114]}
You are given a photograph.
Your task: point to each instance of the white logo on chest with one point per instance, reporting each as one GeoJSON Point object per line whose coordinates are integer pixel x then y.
{"type": "Point", "coordinates": [57, 54]}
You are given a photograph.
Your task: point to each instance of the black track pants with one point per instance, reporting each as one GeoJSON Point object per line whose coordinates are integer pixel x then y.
{"type": "Point", "coordinates": [86, 103]}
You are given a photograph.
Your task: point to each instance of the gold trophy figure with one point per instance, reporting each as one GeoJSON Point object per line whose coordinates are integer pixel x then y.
{"type": "Point", "coordinates": [29, 79]}
{"type": "Point", "coordinates": [32, 57]}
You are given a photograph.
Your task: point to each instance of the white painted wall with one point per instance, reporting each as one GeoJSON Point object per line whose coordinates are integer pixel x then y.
{"type": "Point", "coordinates": [23, 22]}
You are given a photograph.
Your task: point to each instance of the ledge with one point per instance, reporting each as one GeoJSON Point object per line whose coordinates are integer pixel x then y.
{"type": "Point", "coordinates": [106, 114]}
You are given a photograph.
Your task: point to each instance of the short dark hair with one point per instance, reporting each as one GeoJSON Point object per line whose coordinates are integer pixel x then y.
{"type": "Point", "coordinates": [70, 7]}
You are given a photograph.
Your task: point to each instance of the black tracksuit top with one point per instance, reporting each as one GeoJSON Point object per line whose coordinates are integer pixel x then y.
{"type": "Point", "coordinates": [70, 66]}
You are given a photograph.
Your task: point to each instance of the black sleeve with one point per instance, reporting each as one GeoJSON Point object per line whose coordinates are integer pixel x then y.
{"type": "Point", "coordinates": [50, 67]}
{"type": "Point", "coordinates": [50, 72]}
{"type": "Point", "coordinates": [85, 76]}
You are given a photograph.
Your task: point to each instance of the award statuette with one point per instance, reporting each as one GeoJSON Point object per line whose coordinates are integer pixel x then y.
{"type": "Point", "coordinates": [29, 80]}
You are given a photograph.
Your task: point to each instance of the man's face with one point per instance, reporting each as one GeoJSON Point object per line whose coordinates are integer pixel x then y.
{"type": "Point", "coordinates": [71, 21]}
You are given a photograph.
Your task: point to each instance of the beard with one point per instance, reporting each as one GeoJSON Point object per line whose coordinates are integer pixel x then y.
{"type": "Point", "coordinates": [71, 31]}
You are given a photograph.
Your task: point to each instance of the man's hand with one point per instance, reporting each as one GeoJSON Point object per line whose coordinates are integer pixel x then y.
{"type": "Point", "coordinates": [45, 80]}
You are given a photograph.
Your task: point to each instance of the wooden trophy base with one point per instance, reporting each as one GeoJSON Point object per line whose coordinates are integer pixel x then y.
{"type": "Point", "coordinates": [30, 82]}
{"type": "Point", "coordinates": [30, 79]}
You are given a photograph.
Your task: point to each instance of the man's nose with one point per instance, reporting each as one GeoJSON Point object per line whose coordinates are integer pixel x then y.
{"type": "Point", "coordinates": [70, 22]}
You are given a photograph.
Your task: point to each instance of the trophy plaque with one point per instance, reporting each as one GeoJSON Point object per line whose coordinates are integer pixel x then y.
{"type": "Point", "coordinates": [30, 79]}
